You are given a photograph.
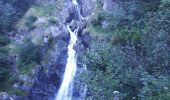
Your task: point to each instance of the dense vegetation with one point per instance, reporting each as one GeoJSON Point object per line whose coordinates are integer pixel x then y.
{"type": "Point", "coordinates": [130, 58]}
{"type": "Point", "coordinates": [4, 60]}
{"type": "Point", "coordinates": [11, 11]}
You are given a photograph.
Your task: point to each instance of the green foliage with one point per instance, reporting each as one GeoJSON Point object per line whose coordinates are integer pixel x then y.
{"type": "Point", "coordinates": [53, 21]}
{"type": "Point", "coordinates": [106, 16]}
{"type": "Point", "coordinates": [99, 59]}
{"type": "Point", "coordinates": [95, 22]}
{"type": "Point", "coordinates": [27, 69]}
{"type": "Point", "coordinates": [11, 11]}
{"type": "Point", "coordinates": [100, 79]}
{"type": "Point", "coordinates": [30, 22]}
{"type": "Point", "coordinates": [7, 12]}
{"type": "Point", "coordinates": [133, 35]}
{"type": "Point", "coordinates": [43, 10]}
{"type": "Point", "coordinates": [29, 52]}
{"type": "Point", "coordinates": [4, 40]}
{"type": "Point", "coordinates": [138, 65]}
{"type": "Point", "coordinates": [4, 60]}
{"type": "Point", "coordinates": [149, 5]}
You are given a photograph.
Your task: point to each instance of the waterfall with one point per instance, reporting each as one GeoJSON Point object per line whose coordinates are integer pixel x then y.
{"type": "Point", "coordinates": [66, 88]}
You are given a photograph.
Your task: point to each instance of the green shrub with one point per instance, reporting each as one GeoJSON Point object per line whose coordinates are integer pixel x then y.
{"type": "Point", "coordinates": [11, 11]}
{"type": "Point", "coordinates": [29, 52]}
{"type": "Point", "coordinates": [4, 60]}
{"type": "Point", "coordinates": [53, 21]}
{"type": "Point", "coordinates": [133, 35]}
{"type": "Point", "coordinates": [4, 40]}
{"type": "Point", "coordinates": [95, 22]}
{"type": "Point", "coordinates": [30, 22]}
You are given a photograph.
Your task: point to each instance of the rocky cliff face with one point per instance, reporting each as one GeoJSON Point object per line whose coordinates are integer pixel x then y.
{"type": "Point", "coordinates": [48, 77]}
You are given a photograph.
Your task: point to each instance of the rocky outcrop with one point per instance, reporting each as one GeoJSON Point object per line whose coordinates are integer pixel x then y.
{"type": "Point", "coordinates": [87, 7]}
{"type": "Point", "coordinates": [47, 78]}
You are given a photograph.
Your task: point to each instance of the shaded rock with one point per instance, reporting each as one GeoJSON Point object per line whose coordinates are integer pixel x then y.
{"type": "Point", "coordinates": [73, 25]}
{"type": "Point", "coordinates": [65, 36]}
{"type": "Point", "coordinates": [54, 31]}
{"type": "Point", "coordinates": [42, 89]}
{"type": "Point", "coordinates": [86, 39]}
{"type": "Point", "coordinates": [79, 46]}
{"type": "Point", "coordinates": [107, 4]}
{"type": "Point", "coordinates": [4, 96]}
{"type": "Point", "coordinates": [82, 26]}
{"type": "Point", "coordinates": [65, 16]}
{"type": "Point", "coordinates": [87, 7]}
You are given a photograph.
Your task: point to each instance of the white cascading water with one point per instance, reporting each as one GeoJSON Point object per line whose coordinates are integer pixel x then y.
{"type": "Point", "coordinates": [65, 91]}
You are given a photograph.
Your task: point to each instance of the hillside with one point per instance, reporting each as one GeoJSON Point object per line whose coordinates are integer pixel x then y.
{"type": "Point", "coordinates": [84, 49]}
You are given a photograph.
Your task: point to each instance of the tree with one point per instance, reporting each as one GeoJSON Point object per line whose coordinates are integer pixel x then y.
{"type": "Point", "coordinates": [4, 59]}
{"type": "Point", "coordinates": [11, 11]}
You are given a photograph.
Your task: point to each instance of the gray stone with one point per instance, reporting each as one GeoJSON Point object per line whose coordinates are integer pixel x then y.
{"type": "Point", "coordinates": [87, 7]}
{"type": "Point", "coordinates": [73, 25]}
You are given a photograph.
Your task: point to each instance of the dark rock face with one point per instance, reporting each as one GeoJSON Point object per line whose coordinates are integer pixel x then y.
{"type": "Point", "coordinates": [87, 7]}
{"type": "Point", "coordinates": [73, 25]}
{"type": "Point", "coordinates": [41, 88]}
{"type": "Point", "coordinates": [47, 78]}
{"type": "Point", "coordinates": [82, 25]}
{"type": "Point", "coordinates": [86, 38]}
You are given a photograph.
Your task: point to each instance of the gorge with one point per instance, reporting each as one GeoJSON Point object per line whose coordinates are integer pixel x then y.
{"type": "Point", "coordinates": [84, 50]}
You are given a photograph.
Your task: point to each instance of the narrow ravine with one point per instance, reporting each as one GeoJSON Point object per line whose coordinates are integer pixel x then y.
{"type": "Point", "coordinates": [66, 88]}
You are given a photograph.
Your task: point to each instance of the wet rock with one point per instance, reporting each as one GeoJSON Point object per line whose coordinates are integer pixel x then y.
{"type": "Point", "coordinates": [4, 96]}
{"type": "Point", "coordinates": [82, 26]}
{"type": "Point", "coordinates": [83, 42]}
{"type": "Point", "coordinates": [73, 25]}
{"type": "Point", "coordinates": [65, 36]}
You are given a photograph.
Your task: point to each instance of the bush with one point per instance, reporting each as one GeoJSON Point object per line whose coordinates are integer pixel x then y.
{"type": "Point", "coordinates": [138, 66]}
{"type": "Point", "coordinates": [53, 21]}
{"type": "Point", "coordinates": [7, 19]}
{"type": "Point", "coordinates": [132, 35]}
{"type": "Point", "coordinates": [29, 52]}
{"type": "Point", "coordinates": [4, 40]}
{"type": "Point", "coordinates": [95, 22]}
{"type": "Point", "coordinates": [11, 11]}
{"type": "Point", "coordinates": [30, 22]}
{"type": "Point", "coordinates": [4, 60]}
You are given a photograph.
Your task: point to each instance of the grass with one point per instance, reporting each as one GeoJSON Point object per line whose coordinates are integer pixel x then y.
{"type": "Point", "coordinates": [48, 12]}
{"type": "Point", "coordinates": [27, 69]}
{"type": "Point", "coordinates": [98, 31]}
{"type": "Point", "coordinates": [42, 10]}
